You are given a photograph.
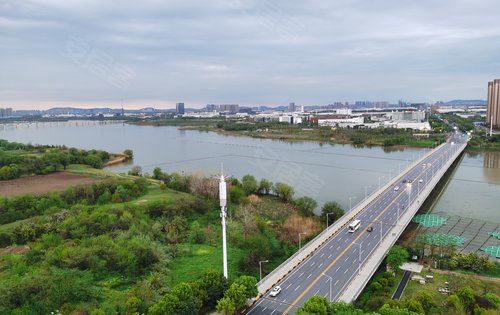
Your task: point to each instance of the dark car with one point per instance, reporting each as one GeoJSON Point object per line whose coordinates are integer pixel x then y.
{"type": "Point", "coordinates": [369, 229]}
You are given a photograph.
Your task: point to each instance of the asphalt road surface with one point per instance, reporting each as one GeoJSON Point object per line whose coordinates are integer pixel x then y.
{"type": "Point", "coordinates": [336, 263]}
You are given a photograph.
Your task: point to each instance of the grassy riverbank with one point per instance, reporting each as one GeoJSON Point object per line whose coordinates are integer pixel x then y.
{"type": "Point", "coordinates": [290, 132]}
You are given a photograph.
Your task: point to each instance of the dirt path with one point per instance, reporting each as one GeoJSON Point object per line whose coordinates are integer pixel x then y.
{"type": "Point", "coordinates": [451, 273]}
{"type": "Point", "coordinates": [41, 184]}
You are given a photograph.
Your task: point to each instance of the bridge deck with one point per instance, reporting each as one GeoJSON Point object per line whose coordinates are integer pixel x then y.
{"type": "Point", "coordinates": [338, 264]}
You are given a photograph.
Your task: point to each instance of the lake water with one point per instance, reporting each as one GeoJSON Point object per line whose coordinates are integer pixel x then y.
{"type": "Point", "coordinates": [341, 173]}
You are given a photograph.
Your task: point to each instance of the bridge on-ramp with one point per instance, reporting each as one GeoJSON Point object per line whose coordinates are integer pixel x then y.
{"type": "Point", "coordinates": [338, 264]}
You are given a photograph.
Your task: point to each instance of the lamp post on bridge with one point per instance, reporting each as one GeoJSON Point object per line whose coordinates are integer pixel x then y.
{"type": "Point", "coordinates": [327, 219]}
{"type": "Point", "coordinates": [409, 195]}
{"type": "Point", "coordinates": [350, 202]}
{"type": "Point", "coordinates": [359, 259]}
{"type": "Point", "coordinates": [381, 228]}
{"type": "Point", "coordinates": [300, 234]}
{"type": "Point", "coordinates": [366, 190]}
{"type": "Point", "coordinates": [331, 279]}
{"type": "Point", "coordinates": [260, 268]}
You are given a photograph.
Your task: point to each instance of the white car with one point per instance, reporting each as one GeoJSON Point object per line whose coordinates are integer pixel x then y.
{"type": "Point", "coordinates": [396, 188]}
{"type": "Point", "coordinates": [275, 291]}
{"type": "Point", "coordinates": [421, 181]}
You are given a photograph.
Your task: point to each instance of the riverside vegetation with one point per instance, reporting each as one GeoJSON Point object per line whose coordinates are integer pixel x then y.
{"type": "Point", "coordinates": [17, 159]}
{"type": "Point", "coordinates": [304, 132]}
{"type": "Point", "coordinates": [145, 244]}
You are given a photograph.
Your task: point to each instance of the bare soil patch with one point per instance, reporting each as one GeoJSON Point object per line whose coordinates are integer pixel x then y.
{"type": "Point", "coordinates": [42, 184]}
{"type": "Point", "coordinates": [14, 250]}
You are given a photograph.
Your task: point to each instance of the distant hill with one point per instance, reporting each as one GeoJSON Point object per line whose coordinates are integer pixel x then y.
{"type": "Point", "coordinates": [464, 102]}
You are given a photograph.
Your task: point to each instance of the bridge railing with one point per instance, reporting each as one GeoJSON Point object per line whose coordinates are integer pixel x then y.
{"type": "Point", "coordinates": [308, 249]}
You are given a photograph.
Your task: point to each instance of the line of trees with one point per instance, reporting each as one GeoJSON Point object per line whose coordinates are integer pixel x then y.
{"type": "Point", "coordinates": [248, 185]}
{"type": "Point", "coordinates": [109, 191]}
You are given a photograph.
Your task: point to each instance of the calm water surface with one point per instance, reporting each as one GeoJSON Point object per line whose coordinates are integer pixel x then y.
{"type": "Point", "coordinates": [324, 172]}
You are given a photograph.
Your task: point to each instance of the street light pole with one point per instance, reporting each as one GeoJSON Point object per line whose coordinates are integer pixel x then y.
{"type": "Point", "coordinates": [409, 196]}
{"type": "Point", "coordinates": [331, 279]}
{"type": "Point", "coordinates": [381, 235]}
{"type": "Point", "coordinates": [366, 188]}
{"type": "Point", "coordinates": [260, 268]}
{"type": "Point", "coordinates": [300, 234]}
{"type": "Point", "coordinates": [327, 219]}
{"type": "Point", "coordinates": [359, 259]}
{"type": "Point", "coordinates": [350, 203]}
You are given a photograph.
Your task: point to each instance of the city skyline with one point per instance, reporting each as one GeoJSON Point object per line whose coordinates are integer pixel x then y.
{"type": "Point", "coordinates": [96, 53]}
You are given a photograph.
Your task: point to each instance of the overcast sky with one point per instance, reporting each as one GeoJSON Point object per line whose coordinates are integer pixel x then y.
{"type": "Point", "coordinates": [250, 52]}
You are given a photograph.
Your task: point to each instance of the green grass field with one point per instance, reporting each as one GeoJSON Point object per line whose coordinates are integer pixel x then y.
{"type": "Point", "coordinates": [198, 259]}
{"type": "Point", "coordinates": [479, 287]}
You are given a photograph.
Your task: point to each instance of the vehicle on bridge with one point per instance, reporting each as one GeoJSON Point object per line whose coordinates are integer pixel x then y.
{"type": "Point", "coordinates": [354, 226]}
{"type": "Point", "coordinates": [369, 229]}
{"type": "Point", "coordinates": [275, 291]}
{"type": "Point", "coordinates": [396, 188]}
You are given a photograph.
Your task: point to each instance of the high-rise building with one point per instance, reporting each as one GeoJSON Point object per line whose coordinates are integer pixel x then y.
{"type": "Point", "coordinates": [229, 108]}
{"type": "Point", "coordinates": [6, 112]}
{"type": "Point", "coordinates": [212, 107]}
{"type": "Point", "coordinates": [493, 105]}
{"type": "Point", "coordinates": [292, 107]}
{"type": "Point", "coordinates": [179, 108]}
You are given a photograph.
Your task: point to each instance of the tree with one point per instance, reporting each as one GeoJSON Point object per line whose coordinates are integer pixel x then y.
{"type": "Point", "coordinates": [157, 173]}
{"type": "Point", "coordinates": [129, 153]}
{"type": "Point", "coordinates": [249, 184]}
{"type": "Point", "coordinates": [64, 160]}
{"type": "Point", "coordinates": [387, 309]}
{"type": "Point", "coordinates": [426, 301]}
{"type": "Point", "coordinates": [265, 186]}
{"type": "Point", "coordinates": [250, 284]}
{"type": "Point", "coordinates": [136, 170]}
{"type": "Point", "coordinates": [233, 300]}
{"type": "Point", "coordinates": [257, 248]}
{"type": "Point", "coordinates": [235, 194]}
{"type": "Point", "coordinates": [226, 305]}
{"type": "Point", "coordinates": [181, 300]}
{"type": "Point", "coordinates": [343, 308]}
{"type": "Point", "coordinates": [316, 305]}
{"type": "Point", "coordinates": [215, 285]}
{"type": "Point", "coordinates": [396, 257]}
{"type": "Point", "coordinates": [414, 306]}
{"type": "Point", "coordinates": [284, 191]}
{"type": "Point", "coordinates": [466, 296]}
{"type": "Point", "coordinates": [306, 205]}
{"type": "Point", "coordinates": [334, 208]}
{"type": "Point", "coordinates": [176, 231]}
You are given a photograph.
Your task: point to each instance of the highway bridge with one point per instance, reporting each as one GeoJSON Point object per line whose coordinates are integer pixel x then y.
{"type": "Point", "coordinates": [337, 264]}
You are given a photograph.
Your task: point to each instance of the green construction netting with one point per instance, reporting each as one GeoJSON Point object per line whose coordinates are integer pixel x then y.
{"type": "Point", "coordinates": [429, 220]}
{"type": "Point", "coordinates": [495, 234]}
{"type": "Point", "coordinates": [441, 239]}
{"type": "Point", "coordinates": [492, 250]}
